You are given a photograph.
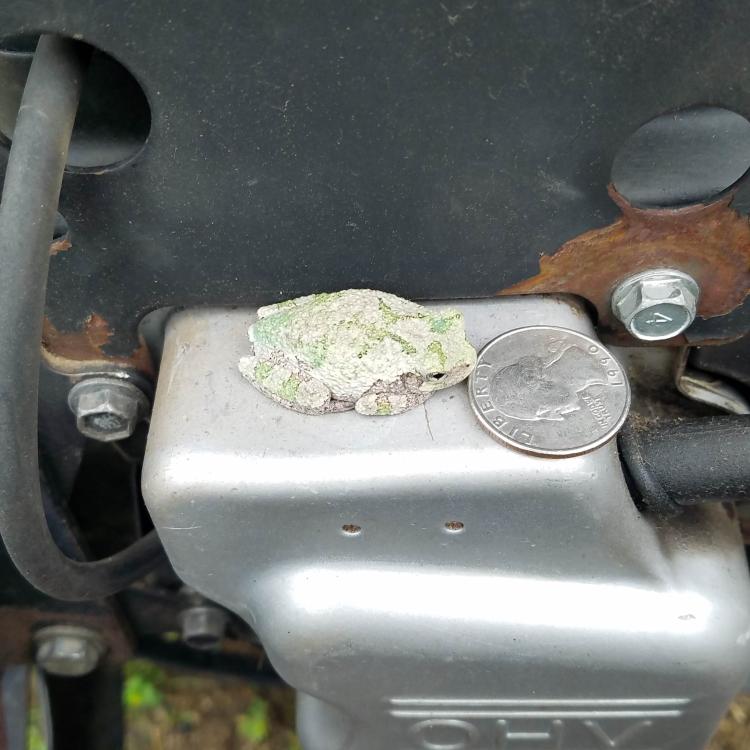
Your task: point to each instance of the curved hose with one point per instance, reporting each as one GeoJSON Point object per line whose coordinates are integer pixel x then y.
{"type": "Point", "coordinates": [27, 214]}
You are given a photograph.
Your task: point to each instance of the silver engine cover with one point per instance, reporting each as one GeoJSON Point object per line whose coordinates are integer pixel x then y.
{"type": "Point", "coordinates": [547, 613]}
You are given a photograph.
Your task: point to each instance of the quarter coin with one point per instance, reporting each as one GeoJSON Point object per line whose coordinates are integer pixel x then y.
{"type": "Point", "coordinates": [549, 391]}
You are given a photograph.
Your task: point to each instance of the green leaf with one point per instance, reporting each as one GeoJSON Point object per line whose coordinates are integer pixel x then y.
{"type": "Point", "coordinates": [253, 724]}
{"type": "Point", "coordinates": [35, 739]}
{"type": "Point", "coordinates": [140, 693]}
{"type": "Point", "coordinates": [147, 670]}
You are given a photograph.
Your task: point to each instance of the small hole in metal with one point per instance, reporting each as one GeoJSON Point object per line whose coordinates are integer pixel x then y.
{"type": "Point", "coordinates": [113, 121]}
{"type": "Point", "coordinates": [351, 529]}
{"type": "Point", "coordinates": [454, 526]}
{"type": "Point", "coordinates": [61, 228]}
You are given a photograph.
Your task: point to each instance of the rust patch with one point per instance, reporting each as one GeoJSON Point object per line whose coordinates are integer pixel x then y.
{"type": "Point", "coordinates": [60, 246]}
{"type": "Point", "coordinates": [18, 624]}
{"type": "Point", "coordinates": [710, 242]}
{"type": "Point", "coordinates": [71, 352]}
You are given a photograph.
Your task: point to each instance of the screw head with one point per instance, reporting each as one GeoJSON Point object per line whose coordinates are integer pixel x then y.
{"type": "Point", "coordinates": [68, 650]}
{"type": "Point", "coordinates": [107, 408]}
{"type": "Point", "coordinates": [657, 304]}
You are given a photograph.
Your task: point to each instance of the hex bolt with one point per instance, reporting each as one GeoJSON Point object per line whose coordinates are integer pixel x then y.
{"type": "Point", "coordinates": [657, 304]}
{"type": "Point", "coordinates": [107, 408]}
{"type": "Point", "coordinates": [203, 626]}
{"type": "Point", "coordinates": [68, 650]}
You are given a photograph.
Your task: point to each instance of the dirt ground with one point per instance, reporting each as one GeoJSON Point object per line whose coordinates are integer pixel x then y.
{"type": "Point", "coordinates": [176, 711]}
{"type": "Point", "coordinates": [734, 730]}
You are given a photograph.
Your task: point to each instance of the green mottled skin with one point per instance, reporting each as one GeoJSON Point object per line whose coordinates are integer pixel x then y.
{"type": "Point", "coordinates": [358, 348]}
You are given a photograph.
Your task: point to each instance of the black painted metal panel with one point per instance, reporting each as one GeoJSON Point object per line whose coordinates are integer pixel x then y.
{"type": "Point", "coordinates": [433, 149]}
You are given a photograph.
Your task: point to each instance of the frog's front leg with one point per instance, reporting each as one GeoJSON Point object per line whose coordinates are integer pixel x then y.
{"type": "Point", "coordinates": [387, 399]}
{"type": "Point", "coordinates": [284, 381]}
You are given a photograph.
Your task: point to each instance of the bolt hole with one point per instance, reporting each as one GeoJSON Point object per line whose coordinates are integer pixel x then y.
{"type": "Point", "coordinates": [454, 527]}
{"type": "Point", "coordinates": [21, 44]}
{"type": "Point", "coordinates": [113, 120]}
{"type": "Point", "coordinates": [351, 529]}
{"type": "Point", "coordinates": [61, 228]}
{"type": "Point", "coordinates": [683, 157]}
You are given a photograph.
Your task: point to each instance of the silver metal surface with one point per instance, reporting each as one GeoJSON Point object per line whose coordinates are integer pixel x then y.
{"type": "Point", "coordinates": [68, 650]}
{"type": "Point", "coordinates": [203, 626]}
{"type": "Point", "coordinates": [657, 304]}
{"type": "Point", "coordinates": [549, 391]}
{"type": "Point", "coordinates": [107, 408]}
{"type": "Point", "coordinates": [708, 389]}
{"type": "Point", "coordinates": [424, 586]}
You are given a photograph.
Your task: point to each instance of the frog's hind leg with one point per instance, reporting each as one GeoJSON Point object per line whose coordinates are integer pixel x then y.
{"type": "Point", "coordinates": [387, 399]}
{"type": "Point", "coordinates": [284, 382]}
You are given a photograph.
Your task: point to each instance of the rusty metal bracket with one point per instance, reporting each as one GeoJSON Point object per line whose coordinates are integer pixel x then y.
{"type": "Point", "coordinates": [82, 352]}
{"type": "Point", "coordinates": [19, 623]}
{"type": "Point", "coordinates": [710, 242]}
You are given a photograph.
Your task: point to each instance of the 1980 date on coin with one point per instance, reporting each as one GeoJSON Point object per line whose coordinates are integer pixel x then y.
{"type": "Point", "coordinates": [549, 391]}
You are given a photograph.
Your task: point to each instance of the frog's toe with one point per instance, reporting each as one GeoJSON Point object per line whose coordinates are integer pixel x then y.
{"type": "Point", "coordinates": [384, 404]}
{"type": "Point", "coordinates": [247, 366]}
{"type": "Point", "coordinates": [312, 397]}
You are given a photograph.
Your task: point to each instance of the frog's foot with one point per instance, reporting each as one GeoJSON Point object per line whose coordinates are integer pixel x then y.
{"type": "Point", "coordinates": [387, 399]}
{"type": "Point", "coordinates": [284, 382]}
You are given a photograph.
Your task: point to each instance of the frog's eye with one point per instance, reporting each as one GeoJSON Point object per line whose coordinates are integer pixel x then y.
{"type": "Point", "coordinates": [435, 376]}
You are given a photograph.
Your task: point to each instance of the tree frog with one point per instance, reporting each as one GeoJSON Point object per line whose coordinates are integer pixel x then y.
{"type": "Point", "coordinates": [355, 349]}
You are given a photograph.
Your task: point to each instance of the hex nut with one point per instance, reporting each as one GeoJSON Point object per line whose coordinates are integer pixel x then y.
{"type": "Point", "coordinates": [107, 408]}
{"type": "Point", "coordinates": [68, 650]}
{"type": "Point", "coordinates": [203, 626]}
{"type": "Point", "coordinates": [657, 304]}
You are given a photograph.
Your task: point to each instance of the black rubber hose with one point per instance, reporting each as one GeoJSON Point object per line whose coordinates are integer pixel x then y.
{"type": "Point", "coordinates": [674, 463]}
{"type": "Point", "coordinates": [27, 214]}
